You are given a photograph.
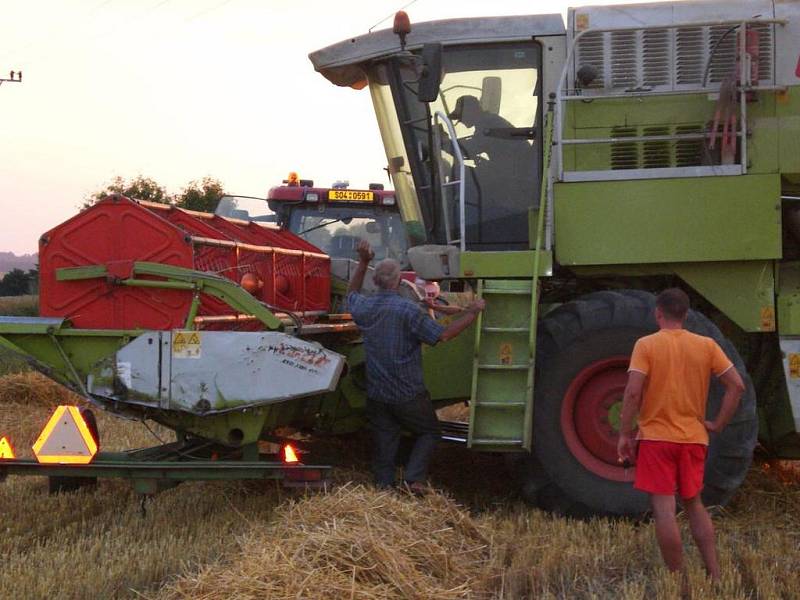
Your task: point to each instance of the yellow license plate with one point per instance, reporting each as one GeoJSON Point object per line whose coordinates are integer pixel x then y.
{"type": "Point", "coordinates": [350, 196]}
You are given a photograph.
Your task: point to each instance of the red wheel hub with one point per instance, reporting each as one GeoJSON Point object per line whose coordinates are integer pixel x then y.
{"type": "Point", "coordinates": [590, 417]}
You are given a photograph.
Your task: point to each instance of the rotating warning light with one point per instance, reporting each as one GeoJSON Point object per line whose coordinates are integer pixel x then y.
{"type": "Point", "coordinates": [65, 439]}
{"type": "Point", "coordinates": [6, 449]}
{"type": "Point", "coordinates": [289, 454]}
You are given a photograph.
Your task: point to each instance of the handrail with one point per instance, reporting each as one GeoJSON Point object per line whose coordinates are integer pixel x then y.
{"type": "Point", "coordinates": [459, 157]}
{"type": "Point", "coordinates": [543, 203]}
{"type": "Point", "coordinates": [744, 80]}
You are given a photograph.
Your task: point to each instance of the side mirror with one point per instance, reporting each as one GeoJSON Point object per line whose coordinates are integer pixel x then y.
{"type": "Point", "coordinates": [431, 78]}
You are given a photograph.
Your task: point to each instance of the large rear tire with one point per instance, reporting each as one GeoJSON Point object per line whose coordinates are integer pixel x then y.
{"type": "Point", "coordinates": [582, 357]}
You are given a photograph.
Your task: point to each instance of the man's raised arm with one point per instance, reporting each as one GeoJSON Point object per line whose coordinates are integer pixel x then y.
{"type": "Point", "coordinates": [365, 254]}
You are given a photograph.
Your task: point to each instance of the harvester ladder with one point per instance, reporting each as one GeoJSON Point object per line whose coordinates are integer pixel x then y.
{"type": "Point", "coordinates": [501, 400]}
{"type": "Point", "coordinates": [502, 377]}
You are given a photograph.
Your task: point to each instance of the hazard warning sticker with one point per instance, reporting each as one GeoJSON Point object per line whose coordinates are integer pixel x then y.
{"type": "Point", "coordinates": [794, 365]}
{"type": "Point", "coordinates": [186, 344]}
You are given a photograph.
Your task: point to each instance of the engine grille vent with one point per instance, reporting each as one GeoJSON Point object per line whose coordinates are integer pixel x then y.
{"type": "Point", "coordinates": [688, 153]}
{"type": "Point", "coordinates": [624, 155]}
{"type": "Point", "coordinates": [665, 59]}
{"type": "Point", "coordinates": [656, 154]}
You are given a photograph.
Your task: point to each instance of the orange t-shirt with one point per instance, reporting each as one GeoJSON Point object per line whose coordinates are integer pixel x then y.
{"type": "Point", "coordinates": [678, 365]}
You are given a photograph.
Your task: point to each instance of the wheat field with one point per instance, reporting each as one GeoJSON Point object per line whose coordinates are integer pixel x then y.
{"type": "Point", "coordinates": [232, 540]}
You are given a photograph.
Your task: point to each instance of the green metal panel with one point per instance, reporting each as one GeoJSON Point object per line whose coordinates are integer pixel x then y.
{"type": "Point", "coordinates": [668, 220]}
{"type": "Point", "coordinates": [504, 264]}
{"type": "Point", "coordinates": [447, 366]}
{"type": "Point", "coordinates": [788, 112]}
{"type": "Point", "coordinates": [744, 291]}
{"type": "Point", "coordinates": [789, 298]}
{"type": "Point", "coordinates": [598, 117]}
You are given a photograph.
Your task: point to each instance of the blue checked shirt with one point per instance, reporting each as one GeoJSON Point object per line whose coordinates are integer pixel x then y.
{"type": "Point", "coordinates": [394, 328]}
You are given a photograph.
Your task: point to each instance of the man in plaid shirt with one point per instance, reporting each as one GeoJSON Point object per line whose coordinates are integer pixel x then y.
{"type": "Point", "coordinates": [394, 328]}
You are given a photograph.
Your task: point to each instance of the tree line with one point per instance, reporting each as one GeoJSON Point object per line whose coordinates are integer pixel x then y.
{"type": "Point", "coordinates": [19, 283]}
{"type": "Point", "coordinates": [201, 195]}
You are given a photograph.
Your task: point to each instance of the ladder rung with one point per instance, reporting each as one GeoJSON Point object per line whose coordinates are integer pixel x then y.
{"type": "Point", "coordinates": [500, 405]}
{"type": "Point", "coordinates": [492, 442]}
{"type": "Point", "coordinates": [498, 291]}
{"type": "Point", "coordinates": [506, 329]}
{"type": "Point", "coordinates": [505, 367]}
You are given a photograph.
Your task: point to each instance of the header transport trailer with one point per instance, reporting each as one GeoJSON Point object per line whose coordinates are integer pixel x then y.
{"type": "Point", "coordinates": [570, 171]}
{"type": "Point", "coordinates": [563, 173]}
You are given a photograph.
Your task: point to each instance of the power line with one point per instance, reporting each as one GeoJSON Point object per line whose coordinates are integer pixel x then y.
{"type": "Point", "coordinates": [205, 11]}
{"type": "Point", "coordinates": [89, 14]}
{"type": "Point", "coordinates": [387, 17]}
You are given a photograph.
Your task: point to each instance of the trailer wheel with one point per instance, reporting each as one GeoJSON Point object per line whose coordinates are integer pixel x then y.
{"type": "Point", "coordinates": [582, 358]}
{"type": "Point", "coordinates": [56, 485]}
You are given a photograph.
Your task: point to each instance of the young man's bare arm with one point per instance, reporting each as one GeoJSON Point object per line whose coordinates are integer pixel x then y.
{"type": "Point", "coordinates": [631, 401]}
{"type": "Point", "coordinates": [734, 388]}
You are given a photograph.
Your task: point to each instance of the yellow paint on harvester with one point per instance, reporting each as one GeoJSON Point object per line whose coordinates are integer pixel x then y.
{"type": "Point", "coordinates": [767, 318]}
{"type": "Point", "coordinates": [6, 451]}
{"type": "Point", "coordinates": [506, 353]}
{"type": "Point", "coordinates": [794, 366]}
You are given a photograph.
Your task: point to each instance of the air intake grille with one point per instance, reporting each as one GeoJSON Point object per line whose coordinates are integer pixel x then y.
{"type": "Point", "coordinates": [624, 155]}
{"type": "Point", "coordinates": [657, 154]}
{"type": "Point", "coordinates": [665, 59]}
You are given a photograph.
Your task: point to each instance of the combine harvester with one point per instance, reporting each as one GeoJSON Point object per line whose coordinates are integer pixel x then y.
{"type": "Point", "coordinates": [564, 174]}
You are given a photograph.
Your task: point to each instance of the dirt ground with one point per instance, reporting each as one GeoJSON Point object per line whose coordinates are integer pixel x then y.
{"type": "Point", "coordinates": [472, 539]}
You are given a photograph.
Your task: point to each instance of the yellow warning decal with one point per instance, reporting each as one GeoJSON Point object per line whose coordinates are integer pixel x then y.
{"type": "Point", "coordinates": [794, 366]}
{"type": "Point", "coordinates": [506, 354]}
{"type": "Point", "coordinates": [767, 318]}
{"type": "Point", "coordinates": [186, 344]}
{"type": "Point", "coordinates": [581, 21]}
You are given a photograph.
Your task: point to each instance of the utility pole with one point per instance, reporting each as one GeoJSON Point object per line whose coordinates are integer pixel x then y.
{"type": "Point", "coordinates": [14, 77]}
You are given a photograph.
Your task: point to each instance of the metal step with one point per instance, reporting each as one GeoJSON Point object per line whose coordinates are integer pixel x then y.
{"type": "Point", "coordinates": [454, 431]}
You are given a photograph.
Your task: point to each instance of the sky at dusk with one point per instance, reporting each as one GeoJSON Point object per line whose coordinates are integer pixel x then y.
{"type": "Point", "coordinates": [181, 89]}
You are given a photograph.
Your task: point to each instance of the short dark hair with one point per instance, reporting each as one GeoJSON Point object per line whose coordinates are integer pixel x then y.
{"type": "Point", "coordinates": [674, 303]}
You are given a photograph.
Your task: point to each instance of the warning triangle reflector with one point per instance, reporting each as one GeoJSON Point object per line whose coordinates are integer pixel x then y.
{"type": "Point", "coordinates": [6, 451]}
{"type": "Point", "coordinates": [65, 439]}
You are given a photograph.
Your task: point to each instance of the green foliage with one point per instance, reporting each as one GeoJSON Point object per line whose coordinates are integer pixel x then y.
{"type": "Point", "coordinates": [18, 282]}
{"type": "Point", "coordinates": [202, 195]}
{"type": "Point", "coordinates": [140, 188]}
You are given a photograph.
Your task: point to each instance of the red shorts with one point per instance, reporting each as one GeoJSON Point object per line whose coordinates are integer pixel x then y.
{"type": "Point", "coordinates": [667, 468]}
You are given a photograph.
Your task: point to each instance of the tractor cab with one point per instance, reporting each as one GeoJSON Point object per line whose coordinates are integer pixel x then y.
{"type": "Point", "coordinates": [335, 219]}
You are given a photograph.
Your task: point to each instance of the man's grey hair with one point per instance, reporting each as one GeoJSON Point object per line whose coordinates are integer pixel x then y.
{"type": "Point", "coordinates": [387, 274]}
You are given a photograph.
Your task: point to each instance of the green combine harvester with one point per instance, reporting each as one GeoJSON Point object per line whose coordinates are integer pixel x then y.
{"type": "Point", "coordinates": [562, 173]}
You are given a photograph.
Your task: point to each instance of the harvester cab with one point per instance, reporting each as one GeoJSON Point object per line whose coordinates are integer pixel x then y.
{"type": "Point", "coordinates": [568, 170]}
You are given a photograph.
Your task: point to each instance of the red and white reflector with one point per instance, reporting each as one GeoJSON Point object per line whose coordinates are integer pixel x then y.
{"type": "Point", "coordinates": [6, 449]}
{"type": "Point", "coordinates": [65, 439]}
{"type": "Point", "coordinates": [289, 454]}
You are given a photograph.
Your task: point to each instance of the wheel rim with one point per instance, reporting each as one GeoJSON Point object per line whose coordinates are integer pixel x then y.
{"type": "Point", "coordinates": [590, 417]}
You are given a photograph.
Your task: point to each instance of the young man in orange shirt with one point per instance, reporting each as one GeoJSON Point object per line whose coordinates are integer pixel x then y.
{"type": "Point", "coordinates": [667, 386]}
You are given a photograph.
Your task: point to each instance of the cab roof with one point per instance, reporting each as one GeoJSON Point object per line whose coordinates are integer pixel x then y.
{"type": "Point", "coordinates": [339, 62]}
